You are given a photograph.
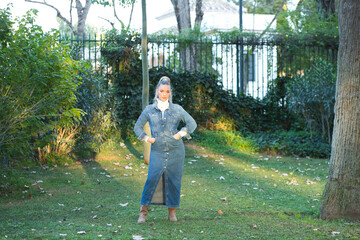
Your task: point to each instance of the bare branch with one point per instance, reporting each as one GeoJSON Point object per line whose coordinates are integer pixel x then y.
{"type": "Point", "coordinates": [111, 23]}
{"type": "Point", "coordinates": [116, 16]}
{"type": "Point", "coordinates": [276, 15]}
{"type": "Point", "coordinates": [132, 10]}
{"type": "Point", "coordinates": [71, 3]}
{"type": "Point", "coordinates": [58, 13]}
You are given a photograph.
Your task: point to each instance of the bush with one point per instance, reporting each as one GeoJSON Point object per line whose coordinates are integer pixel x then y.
{"type": "Point", "coordinates": [298, 143]}
{"type": "Point", "coordinates": [95, 98]}
{"type": "Point", "coordinates": [37, 89]}
{"type": "Point", "coordinates": [313, 96]}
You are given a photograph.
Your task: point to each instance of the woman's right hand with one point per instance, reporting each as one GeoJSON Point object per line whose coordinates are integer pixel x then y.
{"type": "Point", "coordinates": [151, 140]}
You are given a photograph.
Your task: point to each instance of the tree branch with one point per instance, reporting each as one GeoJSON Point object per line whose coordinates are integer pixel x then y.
{"type": "Point", "coordinates": [116, 16]}
{"type": "Point", "coordinates": [58, 13]}
{"type": "Point", "coordinates": [132, 10]}
{"type": "Point", "coordinates": [199, 14]}
{"type": "Point", "coordinates": [276, 15]}
{"type": "Point", "coordinates": [111, 23]}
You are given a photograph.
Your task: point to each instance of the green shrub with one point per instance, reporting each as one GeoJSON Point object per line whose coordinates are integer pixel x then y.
{"type": "Point", "coordinates": [298, 143]}
{"type": "Point", "coordinates": [95, 98]}
{"type": "Point", "coordinates": [37, 89]}
{"type": "Point", "coordinates": [313, 96]}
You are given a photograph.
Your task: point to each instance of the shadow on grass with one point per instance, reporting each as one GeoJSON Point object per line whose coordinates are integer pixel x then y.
{"type": "Point", "coordinates": [251, 187]}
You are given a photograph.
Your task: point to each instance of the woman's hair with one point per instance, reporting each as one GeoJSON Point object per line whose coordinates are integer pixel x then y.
{"type": "Point", "coordinates": [164, 80]}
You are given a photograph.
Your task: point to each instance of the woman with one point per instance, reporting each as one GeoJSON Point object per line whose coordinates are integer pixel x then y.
{"type": "Point", "coordinates": [167, 154]}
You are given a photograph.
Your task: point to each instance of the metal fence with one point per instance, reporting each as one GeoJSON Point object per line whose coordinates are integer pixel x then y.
{"type": "Point", "coordinates": [262, 61]}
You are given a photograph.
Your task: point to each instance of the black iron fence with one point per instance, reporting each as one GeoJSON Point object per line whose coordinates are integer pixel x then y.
{"type": "Point", "coordinates": [262, 60]}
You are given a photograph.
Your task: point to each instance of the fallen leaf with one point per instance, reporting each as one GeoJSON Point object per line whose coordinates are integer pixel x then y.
{"type": "Point", "coordinates": [223, 199]}
{"type": "Point", "coordinates": [254, 226]}
{"type": "Point", "coordinates": [137, 237]}
{"type": "Point", "coordinates": [220, 212]}
{"type": "Point", "coordinates": [82, 182]}
{"type": "Point", "coordinates": [81, 232]}
{"type": "Point", "coordinates": [293, 182]}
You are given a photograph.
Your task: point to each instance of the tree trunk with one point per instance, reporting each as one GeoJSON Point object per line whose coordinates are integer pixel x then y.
{"type": "Point", "coordinates": [199, 14]}
{"type": "Point", "coordinates": [145, 74]}
{"type": "Point", "coordinates": [341, 198]}
{"type": "Point", "coordinates": [82, 13]}
{"type": "Point", "coordinates": [182, 13]}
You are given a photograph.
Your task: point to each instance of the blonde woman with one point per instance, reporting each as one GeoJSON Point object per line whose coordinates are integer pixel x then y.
{"type": "Point", "coordinates": [167, 154]}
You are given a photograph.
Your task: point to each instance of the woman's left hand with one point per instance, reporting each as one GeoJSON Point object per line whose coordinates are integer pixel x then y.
{"type": "Point", "coordinates": [177, 136]}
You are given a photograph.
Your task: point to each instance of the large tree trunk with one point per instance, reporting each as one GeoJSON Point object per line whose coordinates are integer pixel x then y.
{"type": "Point", "coordinates": [82, 12]}
{"type": "Point", "coordinates": [341, 198]}
{"type": "Point", "coordinates": [182, 14]}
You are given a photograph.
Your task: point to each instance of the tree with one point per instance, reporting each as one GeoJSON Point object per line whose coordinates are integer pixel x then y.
{"type": "Point", "coordinates": [145, 74]}
{"type": "Point", "coordinates": [81, 10]}
{"type": "Point", "coordinates": [341, 197]}
{"type": "Point", "coordinates": [182, 14]}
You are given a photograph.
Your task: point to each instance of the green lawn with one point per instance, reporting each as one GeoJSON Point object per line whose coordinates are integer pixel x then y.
{"type": "Point", "coordinates": [225, 195]}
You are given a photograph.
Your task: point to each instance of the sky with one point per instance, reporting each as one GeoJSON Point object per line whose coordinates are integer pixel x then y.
{"type": "Point", "coordinates": [47, 16]}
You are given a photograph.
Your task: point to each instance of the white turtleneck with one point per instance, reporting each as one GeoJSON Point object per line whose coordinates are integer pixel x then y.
{"type": "Point", "coordinates": [163, 105]}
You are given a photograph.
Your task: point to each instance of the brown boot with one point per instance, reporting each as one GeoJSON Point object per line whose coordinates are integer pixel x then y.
{"type": "Point", "coordinates": [172, 216]}
{"type": "Point", "coordinates": [143, 213]}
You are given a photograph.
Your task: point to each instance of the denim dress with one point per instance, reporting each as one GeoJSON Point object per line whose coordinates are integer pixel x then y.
{"type": "Point", "coordinates": [167, 155]}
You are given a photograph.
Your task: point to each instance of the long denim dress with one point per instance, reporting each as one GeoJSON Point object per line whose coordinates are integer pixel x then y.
{"type": "Point", "coordinates": [167, 154]}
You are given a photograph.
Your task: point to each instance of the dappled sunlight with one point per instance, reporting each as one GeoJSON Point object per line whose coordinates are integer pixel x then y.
{"type": "Point", "coordinates": [259, 182]}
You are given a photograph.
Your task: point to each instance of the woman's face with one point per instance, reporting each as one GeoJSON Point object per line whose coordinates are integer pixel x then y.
{"type": "Point", "coordinates": [163, 92]}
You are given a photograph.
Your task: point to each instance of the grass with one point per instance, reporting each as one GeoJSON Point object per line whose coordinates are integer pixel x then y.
{"type": "Point", "coordinates": [226, 194]}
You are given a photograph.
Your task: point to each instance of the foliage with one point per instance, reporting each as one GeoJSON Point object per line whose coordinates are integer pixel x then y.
{"type": "Point", "coordinates": [37, 89]}
{"type": "Point", "coordinates": [292, 143]}
{"type": "Point", "coordinates": [95, 98]}
{"type": "Point", "coordinates": [120, 51]}
{"type": "Point", "coordinates": [308, 25]}
{"type": "Point", "coordinates": [223, 139]}
{"type": "Point", "coordinates": [313, 96]}
{"type": "Point", "coordinates": [276, 103]}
